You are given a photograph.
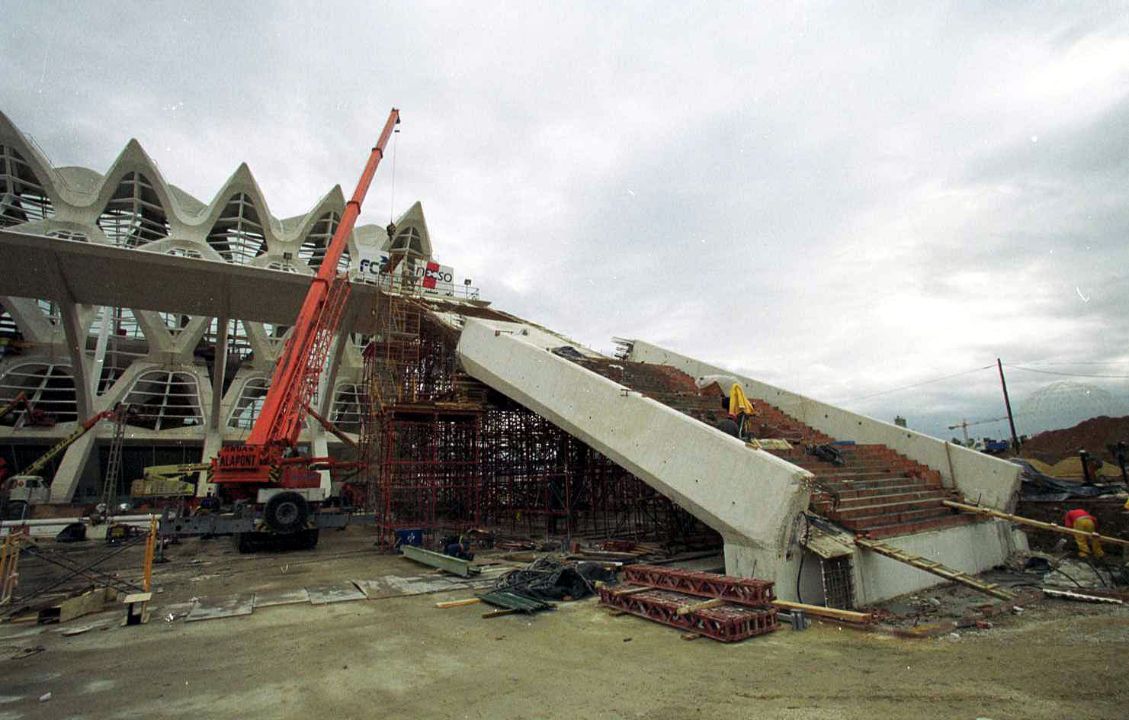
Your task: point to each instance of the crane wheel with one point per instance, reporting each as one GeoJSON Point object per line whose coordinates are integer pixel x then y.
{"type": "Point", "coordinates": [286, 512]}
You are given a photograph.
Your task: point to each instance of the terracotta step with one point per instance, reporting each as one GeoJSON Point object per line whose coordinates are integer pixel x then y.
{"type": "Point", "coordinates": [848, 494]}
{"type": "Point", "coordinates": [847, 474]}
{"type": "Point", "coordinates": [862, 519]}
{"type": "Point", "coordinates": [895, 497]}
{"type": "Point", "coordinates": [876, 483]}
{"type": "Point", "coordinates": [895, 529]}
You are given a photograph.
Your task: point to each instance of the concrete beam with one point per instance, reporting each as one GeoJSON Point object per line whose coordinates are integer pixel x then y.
{"type": "Point", "coordinates": [97, 274]}
{"type": "Point", "coordinates": [751, 497]}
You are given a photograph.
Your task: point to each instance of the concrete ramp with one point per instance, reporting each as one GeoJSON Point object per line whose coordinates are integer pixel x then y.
{"type": "Point", "coordinates": [750, 497]}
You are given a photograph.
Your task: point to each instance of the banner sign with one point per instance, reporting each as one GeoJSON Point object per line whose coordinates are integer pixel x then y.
{"type": "Point", "coordinates": [372, 267]}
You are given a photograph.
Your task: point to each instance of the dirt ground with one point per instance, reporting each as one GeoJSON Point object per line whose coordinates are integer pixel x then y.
{"type": "Point", "coordinates": [402, 657]}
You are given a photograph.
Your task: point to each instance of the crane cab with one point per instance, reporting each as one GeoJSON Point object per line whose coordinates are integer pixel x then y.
{"type": "Point", "coordinates": [20, 492]}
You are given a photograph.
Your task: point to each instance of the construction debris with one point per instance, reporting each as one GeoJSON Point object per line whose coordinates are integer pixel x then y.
{"type": "Point", "coordinates": [513, 602]}
{"type": "Point", "coordinates": [550, 578]}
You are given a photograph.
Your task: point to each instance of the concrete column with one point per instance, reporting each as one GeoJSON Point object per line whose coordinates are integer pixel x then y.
{"type": "Point", "coordinates": [76, 347]}
{"type": "Point", "coordinates": [219, 369]}
{"type": "Point", "coordinates": [71, 467]}
{"type": "Point", "coordinates": [74, 460]}
{"type": "Point", "coordinates": [213, 441]}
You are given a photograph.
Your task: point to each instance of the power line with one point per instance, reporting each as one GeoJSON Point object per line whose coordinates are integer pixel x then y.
{"type": "Point", "coordinates": [924, 382]}
{"type": "Point", "coordinates": [1076, 362]}
{"type": "Point", "coordinates": [1055, 372]}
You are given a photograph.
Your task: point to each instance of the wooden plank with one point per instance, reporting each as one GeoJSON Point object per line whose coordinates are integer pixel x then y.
{"type": "Point", "coordinates": [1019, 520]}
{"type": "Point", "coordinates": [695, 607]}
{"type": "Point", "coordinates": [634, 590]}
{"type": "Point", "coordinates": [457, 603]}
{"type": "Point", "coordinates": [826, 612]}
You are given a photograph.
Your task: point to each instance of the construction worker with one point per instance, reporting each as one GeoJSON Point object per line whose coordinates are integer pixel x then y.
{"type": "Point", "coordinates": [728, 425]}
{"type": "Point", "coordinates": [1079, 519]}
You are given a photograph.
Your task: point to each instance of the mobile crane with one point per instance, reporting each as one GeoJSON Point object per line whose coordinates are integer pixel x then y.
{"type": "Point", "coordinates": [28, 488]}
{"type": "Point", "coordinates": [274, 491]}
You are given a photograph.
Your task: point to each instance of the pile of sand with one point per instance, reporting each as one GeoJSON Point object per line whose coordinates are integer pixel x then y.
{"type": "Point", "coordinates": [1093, 435]}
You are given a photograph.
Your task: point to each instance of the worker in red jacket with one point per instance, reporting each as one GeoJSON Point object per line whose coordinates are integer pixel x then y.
{"type": "Point", "coordinates": [1079, 519]}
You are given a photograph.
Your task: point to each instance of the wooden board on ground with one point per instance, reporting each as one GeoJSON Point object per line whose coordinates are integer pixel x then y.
{"type": "Point", "coordinates": [328, 594]}
{"type": "Point", "coordinates": [457, 603]}
{"type": "Point", "coordinates": [281, 597]}
{"type": "Point", "coordinates": [213, 608]}
{"type": "Point", "coordinates": [91, 601]}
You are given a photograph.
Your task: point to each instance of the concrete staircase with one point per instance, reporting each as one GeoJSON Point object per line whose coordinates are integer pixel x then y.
{"type": "Point", "coordinates": [875, 491]}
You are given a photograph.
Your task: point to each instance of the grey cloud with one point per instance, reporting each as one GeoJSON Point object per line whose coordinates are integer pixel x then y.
{"type": "Point", "coordinates": [800, 193]}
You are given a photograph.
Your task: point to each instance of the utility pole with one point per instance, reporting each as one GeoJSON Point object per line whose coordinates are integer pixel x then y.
{"type": "Point", "coordinates": [1007, 404]}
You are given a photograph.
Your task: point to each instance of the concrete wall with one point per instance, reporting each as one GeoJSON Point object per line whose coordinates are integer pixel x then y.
{"type": "Point", "coordinates": [979, 477]}
{"type": "Point", "coordinates": [968, 548]}
{"type": "Point", "coordinates": [751, 497]}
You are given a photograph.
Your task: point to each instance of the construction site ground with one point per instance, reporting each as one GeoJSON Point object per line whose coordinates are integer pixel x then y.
{"type": "Point", "coordinates": [403, 657]}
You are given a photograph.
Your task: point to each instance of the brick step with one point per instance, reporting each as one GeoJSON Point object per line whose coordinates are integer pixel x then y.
{"type": "Point", "coordinates": [858, 500]}
{"type": "Point", "coordinates": [877, 484]}
{"type": "Point", "coordinates": [847, 494]}
{"type": "Point", "coordinates": [813, 463]}
{"type": "Point", "coordinates": [868, 507]}
{"type": "Point", "coordinates": [852, 474]}
{"type": "Point", "coordinates": [862, 518]}
{"type": "Point", "coordinates": [848, 457]}
{"type": "Point", "coordinates": [895, 529]}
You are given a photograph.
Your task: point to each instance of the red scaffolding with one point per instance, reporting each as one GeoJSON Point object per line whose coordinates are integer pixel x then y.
{"type": "Point", "coordinates": [446, 454]}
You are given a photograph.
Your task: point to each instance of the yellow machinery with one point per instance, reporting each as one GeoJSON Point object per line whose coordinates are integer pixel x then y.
{"type": "Point", "coordinates": [167, 481]}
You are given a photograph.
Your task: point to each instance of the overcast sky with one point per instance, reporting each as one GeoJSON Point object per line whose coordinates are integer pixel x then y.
{"type": "Point", "coordinates": [841, 200]}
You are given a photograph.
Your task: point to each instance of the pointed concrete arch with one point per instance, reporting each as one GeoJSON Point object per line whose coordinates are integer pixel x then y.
{"type": "Point", "coordinates": [241, 187]}
{"type": "Point", "coordinates": [134, 214]}
{"type": "Point", "coordinates": [28, 182]}
{"type": "Point", "coordinates": [412, 236]}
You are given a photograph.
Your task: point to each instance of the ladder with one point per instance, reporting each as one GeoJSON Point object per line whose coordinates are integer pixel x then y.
{"type": "Point", "coordinates": [935, 568]}
{"type": "Point", "coordinates": [114, 463]}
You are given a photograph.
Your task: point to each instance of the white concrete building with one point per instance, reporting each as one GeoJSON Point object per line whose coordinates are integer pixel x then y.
{"type": "Point", "coordinates": [119, 287]}
{"type": "Point", "coordinates": [73, 359]}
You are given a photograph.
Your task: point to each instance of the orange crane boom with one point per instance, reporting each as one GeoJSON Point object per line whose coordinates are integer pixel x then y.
{"type": "Point", "coordinates": [260, 461]}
